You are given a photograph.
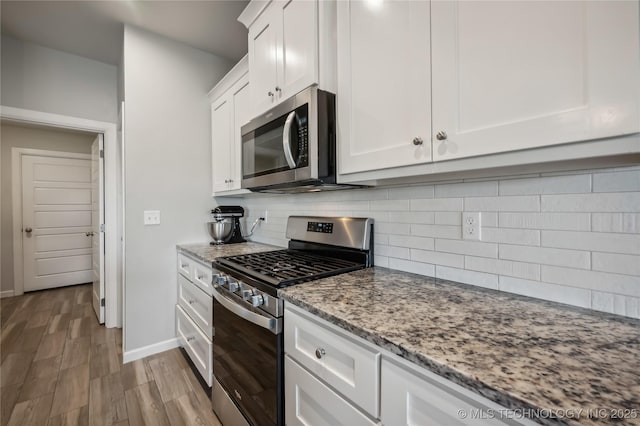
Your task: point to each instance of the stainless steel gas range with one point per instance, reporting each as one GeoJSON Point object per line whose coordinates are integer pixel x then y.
{"type": "Point", "coordinates": [248, 348]}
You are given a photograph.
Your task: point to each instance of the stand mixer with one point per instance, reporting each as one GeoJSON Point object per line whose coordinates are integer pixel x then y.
{"type": "Point", "coordinates": [225, 228]}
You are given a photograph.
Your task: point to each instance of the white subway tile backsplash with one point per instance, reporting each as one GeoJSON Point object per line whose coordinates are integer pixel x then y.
{"type": "Point", "coordinates": [411, 192]}
{"type": "Point", "coordinates": [411, 242]}
{"type": "Point", "coordinates": [529, 203]}
{"type": "Point", "coordinates": [559, 221]}
{"type": "Point", "coordinates": [448, 218]}
{"type": "Point", "coordinates": [555, 293]}
{"type": "Point", "coordinates": [414, 217]}
{"type": "Point", "coordinates": [546, 256]}
{"type": "Point", "coordinates": [390, 205]}
{"type": "Point", "coordinates": [467, 189]}
{"type": "Point", "coordinates": [573, 184]}
{"type": "Point", "coordinates": [413, 267]}
{"type": "Point", "coordinates": [593, 241]}
{"type": "Point", "coordinates": [505, 235]}
{"type": "Point", "coordinates": [606, 202]}
{"type": "Point", "coordinates": [543, 235]}
{"type": "Point", "coordinates": [480, 279]}
{"type": "Point", "coordinates": [617, 182]}
{"type": "Point", "coordinates": [389, 251]}
{"type": "Point", "coordinates": [471, 248]}
{"type": "Point", "coordinates": [438, 258]}
{"type": "Point", "coordinates": [601, 301]}
{"type": "Point", "coordinates": [616, 222]}
{"type": "Point", "coordinates": [503, 267]}
{"type": "Point", "coordinates": [616, 263]}
{"type": "Point", "coordinates": [437, 231]}
{"type": "Point", "coordinates": [438, 205]}
{"type": "Point", "coordinates": [600, 281]}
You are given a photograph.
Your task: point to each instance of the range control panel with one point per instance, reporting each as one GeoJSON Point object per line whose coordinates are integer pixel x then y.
{"type": "Point", "coordinates": [323, 227]}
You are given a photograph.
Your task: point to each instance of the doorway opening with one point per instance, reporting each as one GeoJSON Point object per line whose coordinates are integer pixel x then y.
{"type": "Point", "coordinates": [69, 212]}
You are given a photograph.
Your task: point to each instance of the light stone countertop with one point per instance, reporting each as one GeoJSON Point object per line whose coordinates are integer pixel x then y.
{"type": "Point", "coordinates": [520, 352]}
{"type": "Point", "coordinates": [208, 253]}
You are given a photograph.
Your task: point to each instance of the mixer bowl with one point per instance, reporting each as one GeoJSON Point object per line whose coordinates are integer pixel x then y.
{"type": "Point", "coordinates": [220, 230]}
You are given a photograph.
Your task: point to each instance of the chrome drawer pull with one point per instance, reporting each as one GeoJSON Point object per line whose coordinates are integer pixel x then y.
{"type": "Point", "coordinates": [189, 339]}
{"type": "Point", "coordinates": [320, 352]}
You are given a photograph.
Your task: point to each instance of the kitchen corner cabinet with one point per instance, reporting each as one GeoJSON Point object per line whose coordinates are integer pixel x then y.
{"type": "Point", "coordinates": [230, 109]}
{"type": "Point", "coordinates": [384, 85]}
{"type": "Point", "coordinates": [194, 313]}
{"type": "Point", "coordinates": [477, 79]}
{"type": "Point", "coordinates": [334, 377]}
{"type": "Point", "coordinates": [289, 42]}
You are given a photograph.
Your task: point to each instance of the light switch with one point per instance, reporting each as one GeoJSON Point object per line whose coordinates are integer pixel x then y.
{"type": "Point", "coordinates": [152, 217]}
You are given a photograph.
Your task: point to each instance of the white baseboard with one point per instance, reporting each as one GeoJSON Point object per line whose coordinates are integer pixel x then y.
{"type": "Point", "coordinates": [6, 293]}
{"type": "Point", "coordinates": [145, 351]}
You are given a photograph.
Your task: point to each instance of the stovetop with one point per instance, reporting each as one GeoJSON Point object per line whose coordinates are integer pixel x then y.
{"type": "Point", "coordinates": [282, 268]}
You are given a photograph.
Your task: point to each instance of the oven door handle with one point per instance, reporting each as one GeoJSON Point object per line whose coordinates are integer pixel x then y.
{"type": "Point", "coordinates": [274, 325]}
{"type": "Point", "coordinates": [286, 140]}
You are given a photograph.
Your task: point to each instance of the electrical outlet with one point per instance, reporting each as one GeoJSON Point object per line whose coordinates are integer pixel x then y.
{"type": "Point", "coordinates": [152, 217]}
{"type": "Point", "coordinates": [471, 226]}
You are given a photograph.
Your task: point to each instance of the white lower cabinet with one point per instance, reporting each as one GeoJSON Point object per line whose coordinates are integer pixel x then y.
{"type": "Point", "coordinates": [352, 382]}
{"type": "Point", "coordinates": [310, 402]}
{"type": "Point", "coordinates": [194, 313]}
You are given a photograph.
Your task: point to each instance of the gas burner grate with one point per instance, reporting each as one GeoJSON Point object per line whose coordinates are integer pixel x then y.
{"type": "Point", "coordinates": [286, 267]}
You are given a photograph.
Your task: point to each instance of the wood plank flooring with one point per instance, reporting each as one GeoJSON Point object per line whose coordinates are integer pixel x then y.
{"type": "Point", "coordinates": [60, 367]}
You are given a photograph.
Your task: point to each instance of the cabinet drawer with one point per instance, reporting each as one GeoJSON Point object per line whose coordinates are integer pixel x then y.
{"type": "Point", "coordinates": [197, 304]}
{"type": "Point", "coordinates": [201, 276]}
{"type": "Point", "coordinates": [311, 402]}
{"type": "Point", "coordinates": [350, 368]}
{"type": "Point", "coordinates": [185, 265]}
{"type": "Point", "coordinates": [195, 343]}
{"type": "Point", "coordinates": [420, 397]}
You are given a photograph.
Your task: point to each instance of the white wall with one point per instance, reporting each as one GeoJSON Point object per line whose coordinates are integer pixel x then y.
{"type": "Point", "coordinates": [20, 136]}
{"type": "Point", "coordinates": [573, 238]}
{"type": "Point", "coordinates": [167, 165]}
{"type": "Point", "coordinates": [42, 79]}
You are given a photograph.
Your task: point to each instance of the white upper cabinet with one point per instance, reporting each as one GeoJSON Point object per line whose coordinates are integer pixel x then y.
{"type": "Point", "coordinates": [514, 75]}
{"type": "Point", "coordinates": [384, 85]}
{"type": "Point", "coordinates": [230, 109]}
{"type": "Point", "coordinates": [288, 41]}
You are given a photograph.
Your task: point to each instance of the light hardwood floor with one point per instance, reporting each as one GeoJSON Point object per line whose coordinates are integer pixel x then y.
{"type": "Point", "coordinates": [60, 367]}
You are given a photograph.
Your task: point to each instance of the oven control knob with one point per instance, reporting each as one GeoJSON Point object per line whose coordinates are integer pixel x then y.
{"type": "Point", "coordinates": [222, 279]}
{"type": "Point", "coordinates": [257, 300]}
{"type": "Point", "coordinates": [246, 294]}
{"type": "Point", "coordinates": [233, 286]}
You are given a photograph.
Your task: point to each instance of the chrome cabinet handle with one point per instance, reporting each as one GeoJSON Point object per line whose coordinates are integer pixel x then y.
{"type": "Point", "coordinates": [441, 135]}
{"type": "Point", "coordinates": [191, 302]}
{"type": "Point", "coordinates": [28, 230]}
{"type": "Point", "coordinates": [417, 141]}
{"type": "Point", "coordinates": [90, 234]}
{"type": "Point", "coordinates": [286, 140]}
{"type": "Point", "coordinates": [320, 352]}
{"type": "Point", "coordinates": [270, 93]}
{"type": "Point", "coordinates": [190, 339]}
{"type": "Point", "coordinates": [278, 89]}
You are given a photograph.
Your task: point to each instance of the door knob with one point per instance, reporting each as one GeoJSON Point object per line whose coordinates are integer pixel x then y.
{"type": "Point", "coordinates": [441, 135]}
{"type": "Point", "coordinates": [28, 230]}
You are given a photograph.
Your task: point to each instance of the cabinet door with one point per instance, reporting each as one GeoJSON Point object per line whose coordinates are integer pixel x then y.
{"type": "Point", "coordinates": [384, 85]}
{"type": "Point", "coordinates": [221, 143]}
{"type": "Point", "coordinates": [241, 115]}
{"type": "Point", "coordinates": [310, 402]}
{"type": "Point", "coordinates": [263, 58]}
{"type": "Point", "coordinates": [298, 46]}
{"type": "Point", "coordinates": [408, 399]}
{"type": "Point", "coordinates": [516, 75]}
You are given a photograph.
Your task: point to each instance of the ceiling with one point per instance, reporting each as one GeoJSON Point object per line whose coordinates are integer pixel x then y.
{"type": "Point", "coordinates": [94, 29]}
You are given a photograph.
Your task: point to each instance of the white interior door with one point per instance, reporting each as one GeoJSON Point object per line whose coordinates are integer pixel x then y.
{"type": "Point", "coordinates": [97, 219]}
{"type": "Point", "coordinates": [56, 221]}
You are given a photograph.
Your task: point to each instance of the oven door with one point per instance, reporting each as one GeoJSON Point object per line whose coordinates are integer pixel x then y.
{"type": "Point", "coordinates": [281, 145]}
{"type": "Point", "coordinates": [248, 359]}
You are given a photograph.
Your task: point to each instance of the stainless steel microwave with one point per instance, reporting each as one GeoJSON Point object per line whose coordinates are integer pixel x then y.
{"type": "Point", "coordinates": [292, 147]}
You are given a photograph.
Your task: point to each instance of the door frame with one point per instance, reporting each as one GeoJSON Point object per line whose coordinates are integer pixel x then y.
{"type": "Point", "coordinates": [113, 293]}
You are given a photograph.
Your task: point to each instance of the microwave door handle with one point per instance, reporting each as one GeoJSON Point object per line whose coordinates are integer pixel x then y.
{"type": "Point", "coordinates": [286, 140]}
